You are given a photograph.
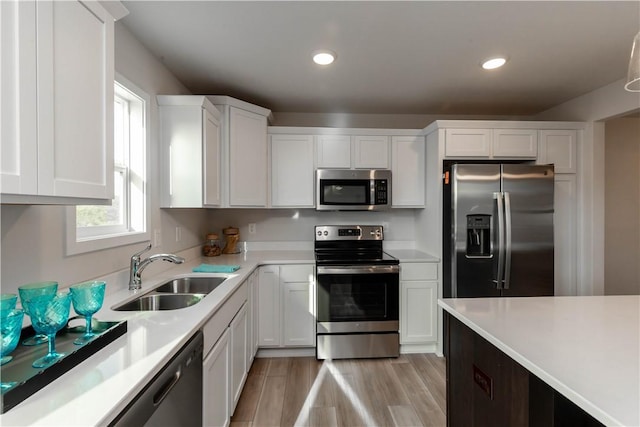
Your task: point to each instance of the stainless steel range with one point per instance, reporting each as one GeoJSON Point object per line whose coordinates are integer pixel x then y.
{"type": "Point", "coordinates": [358, 287]}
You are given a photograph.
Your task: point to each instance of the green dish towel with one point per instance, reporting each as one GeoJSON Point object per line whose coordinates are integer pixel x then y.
{"type": "Point", "coordinates": [212, 268]}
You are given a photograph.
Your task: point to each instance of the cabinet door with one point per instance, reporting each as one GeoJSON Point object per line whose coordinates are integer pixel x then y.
{"type": "Point", "coordinates": [333, 151]}
{"type": "Point", "coordinates": [216, 387]}
{"type": "Point", "coordinates": [292, 171]}
{"type": "Point", "coordinates": [211, 166]}
{"type": "Point", "coordinates": [238, 350]}
{"type": "Point", "coordinates": [371, 152]}
{"type": "Point", "coordinates": [565, 234]}
{"type": "Point", "coordinates": [418, 298]}
{"type": "Point", "coordinates": [182, 143]}
{"type": "Point", "coordinates": [252, 318]}
{"type": "Point", "coordinates": [18, 151]}
{"type": "Point", "coordinates": [298, 306]}
{"type": "Point", "coordinates": [75, 99]}
{"type": "Point", "coordinates": [484, 386]}
{"type": "Point", "coordinates": [247, 158]}
{"type": "Point", "coordinates": [515, 143]}
{"type": "Point", "coordinates": [418, 312]}
{"type": "Point", "coordinates": [269, 307]}
{"type": "Point", "coordinates": [408, 171]}
{"type": "Point", "coordinates": [460, 143]}
{"type": "Point", "coordinates": [558, 147]}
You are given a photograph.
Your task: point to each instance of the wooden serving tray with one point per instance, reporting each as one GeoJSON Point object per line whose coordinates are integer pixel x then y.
{"type": "Point", "coordinates": [31, 379]}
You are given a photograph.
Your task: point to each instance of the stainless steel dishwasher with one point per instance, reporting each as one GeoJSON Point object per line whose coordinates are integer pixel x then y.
{"type": "Point", "coordinates": [174, 396]}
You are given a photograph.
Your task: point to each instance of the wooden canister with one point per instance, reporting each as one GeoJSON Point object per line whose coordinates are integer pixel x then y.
{"type": "Point", "coordinates": [231, 236]}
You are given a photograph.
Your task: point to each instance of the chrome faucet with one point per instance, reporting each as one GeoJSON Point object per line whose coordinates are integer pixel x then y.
{"type": "Point", "coordinates": [135, 282]}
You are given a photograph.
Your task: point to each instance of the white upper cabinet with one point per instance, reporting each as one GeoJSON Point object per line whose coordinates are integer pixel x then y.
{"type": "Point", "coordinates": [57, 102]}
{"type": "Point", "coordinates": [513, 143]}
{"type": "Point", "coordinates": [190, 139]}
{"type": "Point", "coordinates": [467, 143]}
{"type": "Point", "coordinates": [352, 151]}
{"type": "Point", "coordinates": [558, 147]}
{"type": "Point", "coordinates": [333, 151]}
{"type": "Point", "coordinates": [371, 152]}
{"type": "Point", "coordinates": [491, 143]}
{"type": "Point", "coordinates": [244, 149]}
{"type": "Point", "coordinates": [408, 179]}
{"type": "Point", "coordinates": [292, 172]}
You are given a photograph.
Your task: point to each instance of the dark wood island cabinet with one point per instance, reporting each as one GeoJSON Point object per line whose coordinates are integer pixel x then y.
{"type": "Point", "coordinates": [485, 387]}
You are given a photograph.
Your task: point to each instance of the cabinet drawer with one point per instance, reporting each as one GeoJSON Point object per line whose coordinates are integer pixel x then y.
{"type": "Point", "coordinates": [221, 319]}
{"type": "Point", "coordinates": [296, 273]}
{"type": "Point", "coordinates": [419, 271]}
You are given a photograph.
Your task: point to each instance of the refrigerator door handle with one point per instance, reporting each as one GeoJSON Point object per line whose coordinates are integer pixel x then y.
{"type": "Point", "coordinates": [500, 209]}
{"type": "Point", "coordinates": [507, 242]}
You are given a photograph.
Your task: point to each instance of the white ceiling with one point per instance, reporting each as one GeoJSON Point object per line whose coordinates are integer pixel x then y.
{"type": "Point", "coordinates": [416, 57]}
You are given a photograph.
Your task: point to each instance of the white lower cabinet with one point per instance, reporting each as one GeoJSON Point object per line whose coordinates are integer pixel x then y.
{"type": "Point", "coordinates": [287, 304]}
{"type": "Point", "coordinates": [238, 350]}
{"type": "Point", "coordinates": [418, 299]}
{"type": "Point", "coordinates": [216, 386]}
{"type": "Point", "coordinates": [252, 317]}
{"type": "Point", "coordinates": [225, 364]}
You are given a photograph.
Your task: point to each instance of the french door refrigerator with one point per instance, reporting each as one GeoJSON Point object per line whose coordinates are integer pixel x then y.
{"type": "Point", "coordinates": [499, 230]}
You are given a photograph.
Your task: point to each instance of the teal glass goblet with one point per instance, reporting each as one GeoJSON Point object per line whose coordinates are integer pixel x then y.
{"type": "Point", "coordinates": [10, 328]}
{"type": "Point", "coordinates": [49, 314]}
{"type": "Point", "coordinates": [7, 302]}
{"type": "Point", "coordinates": [87, 298]}
{"type": "Point", "coordinates": [28, 292]}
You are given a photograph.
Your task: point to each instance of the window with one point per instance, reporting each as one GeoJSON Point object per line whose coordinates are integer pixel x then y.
{"type": "Point", "coordinates": [124, 222]}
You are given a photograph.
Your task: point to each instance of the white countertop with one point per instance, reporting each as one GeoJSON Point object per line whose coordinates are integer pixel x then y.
{"type": "Point", "coordinates": [587, 348]}
{"type": "Point", "coordinates": [96, 390]}
{"type": "Point", "coordinates": [411, 255]}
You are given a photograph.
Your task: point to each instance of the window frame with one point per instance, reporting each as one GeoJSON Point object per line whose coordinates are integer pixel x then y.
{"type": "Point", "coordinates": [118, 236]}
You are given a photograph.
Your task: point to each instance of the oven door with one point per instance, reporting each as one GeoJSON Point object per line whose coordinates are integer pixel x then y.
{"type": "Point", "coordinates": [360, 297]}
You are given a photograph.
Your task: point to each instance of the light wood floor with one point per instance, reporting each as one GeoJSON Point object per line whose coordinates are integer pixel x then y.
{"type": "Point", "coordinates": [408, 391]}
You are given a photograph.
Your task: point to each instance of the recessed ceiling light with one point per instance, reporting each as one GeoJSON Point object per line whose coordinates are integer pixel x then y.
{"type": "Point", "coordinates": [493, 63]}
{"type": "Point", "coordinates": [324, 57]}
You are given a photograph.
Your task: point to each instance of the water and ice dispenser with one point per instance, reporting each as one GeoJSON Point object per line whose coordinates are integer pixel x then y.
{"type": "Point", "coordinates": [478, 235]}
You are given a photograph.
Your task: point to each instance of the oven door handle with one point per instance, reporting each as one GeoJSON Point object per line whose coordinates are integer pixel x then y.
{"type": "Point", "coordinates": [360, 269]}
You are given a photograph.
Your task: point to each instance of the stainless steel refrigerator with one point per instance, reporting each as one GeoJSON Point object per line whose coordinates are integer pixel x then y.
{"type": "Point", "coordinates": [500, 230]}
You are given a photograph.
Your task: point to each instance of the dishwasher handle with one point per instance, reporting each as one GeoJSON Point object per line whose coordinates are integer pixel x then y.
{"type": "Point", "coordinates": [167, 387]}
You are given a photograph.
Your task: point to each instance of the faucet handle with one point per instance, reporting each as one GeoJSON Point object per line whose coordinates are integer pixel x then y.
{"type": "Point", "coordinates": [137, 254]}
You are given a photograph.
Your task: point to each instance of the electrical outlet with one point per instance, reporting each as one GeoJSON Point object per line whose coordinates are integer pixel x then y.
{"type": "Point", "coordinates": [157, 238]}
{"type": "Point", "coordinates": [178, 234]}
{"type": "Point", "coordinates": [252, 228]}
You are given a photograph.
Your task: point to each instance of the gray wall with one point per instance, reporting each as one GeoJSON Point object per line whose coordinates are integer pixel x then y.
{"type": "Point", "coordinates": [273, 225]}
{"type": "Point", "coordinates": [622, 207]}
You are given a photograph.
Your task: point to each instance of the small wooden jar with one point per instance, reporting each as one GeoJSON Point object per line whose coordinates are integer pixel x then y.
{"type": "Point", "coordinates": [231, 236]}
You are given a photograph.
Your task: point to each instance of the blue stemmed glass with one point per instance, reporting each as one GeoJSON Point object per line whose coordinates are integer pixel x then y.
{"type": "Point", "coordinates": [7, 302]}
{"type": "Point", "coordinates": [49, 314]}
{"type": "Point", "coordinates": [10, 328]}
{"type": "Point", "coordinates": [28, 292]}
{"type": "Point", "coordinates": [87, 298]}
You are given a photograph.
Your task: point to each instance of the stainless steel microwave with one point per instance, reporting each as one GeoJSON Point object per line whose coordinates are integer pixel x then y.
{"type": "Point", "coordinates": [353, 190]}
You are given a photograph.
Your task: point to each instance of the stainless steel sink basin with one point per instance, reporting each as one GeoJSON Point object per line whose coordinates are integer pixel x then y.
{"type": "Point", "coordinates": [155, 302]}
{"type": "Point", "coordinates": [191, 285]}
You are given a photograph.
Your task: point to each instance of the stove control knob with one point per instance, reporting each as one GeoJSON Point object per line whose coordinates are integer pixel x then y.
{"type": "Point", "coordinates": [326, 233]}
{"type": "Point", "coordinates": [319, 233]}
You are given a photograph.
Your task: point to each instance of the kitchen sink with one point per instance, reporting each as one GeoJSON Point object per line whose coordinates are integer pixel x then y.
{"type": "Point", "coordinates": [190, 285]}
{"type": "Point", "coordinates": [155, 302]}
